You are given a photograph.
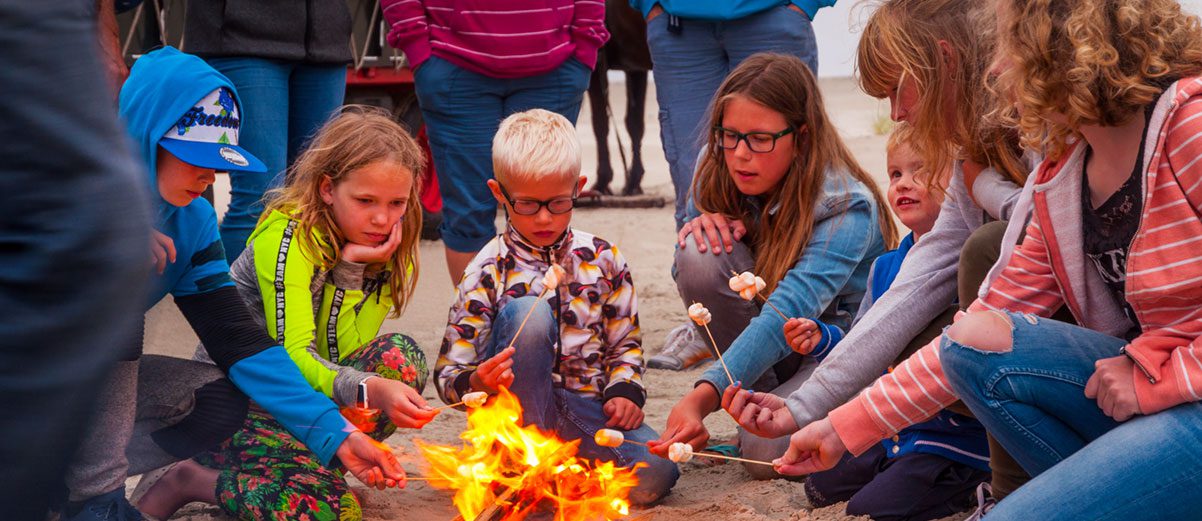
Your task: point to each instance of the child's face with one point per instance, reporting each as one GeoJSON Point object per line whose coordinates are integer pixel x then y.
{"type": "Point", "coordinates": [756, 173]}
{"type": "Point", "coordinates": [909, 198]}
{"type": "Point", "coordinates": [181, 183]}
{"type": "Point", "coordinates": [369, 201]}
{"type": "Point", "coordinates": [542, 228]}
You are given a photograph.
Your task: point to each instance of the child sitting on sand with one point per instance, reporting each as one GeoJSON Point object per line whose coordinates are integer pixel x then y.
{"type": "Point", "coordinates": [577, 365]}
{"type": "Point", "coordinates": [927, 471]}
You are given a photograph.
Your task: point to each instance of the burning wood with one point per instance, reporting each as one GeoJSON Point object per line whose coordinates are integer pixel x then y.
{"type": "Point", "coordinates": [505, 471]}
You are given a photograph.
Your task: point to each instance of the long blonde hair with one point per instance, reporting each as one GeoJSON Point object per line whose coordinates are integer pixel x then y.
{"type": "Point", "coordinates": [354, 138]}
{"type": "Point", "coordinates": [785, 85]}
{"type": "Point", "coordinates": [1095, 62]}
{"type": "Point", "coordinates": [902, 40]}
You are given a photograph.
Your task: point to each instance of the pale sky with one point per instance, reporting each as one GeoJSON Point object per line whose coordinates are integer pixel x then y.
{"type": "Point", "coordinates": [837, 29]}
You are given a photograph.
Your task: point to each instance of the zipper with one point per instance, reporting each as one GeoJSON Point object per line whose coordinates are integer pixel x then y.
{"type": "Point", "coordinates": [546, 253]}
{"type": "Point", "coordinates": [1135, 361]}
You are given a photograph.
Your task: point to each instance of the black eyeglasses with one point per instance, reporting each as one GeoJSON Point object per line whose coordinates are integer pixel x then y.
{"type": "Point", "coordinates": [759, 142]}
{"type": "Point", "coordinates": [557, 206]}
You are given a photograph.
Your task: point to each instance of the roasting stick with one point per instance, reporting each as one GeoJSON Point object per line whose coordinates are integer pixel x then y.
{"type": "Point", "coordinates": [757, 285]}
{"type": "Point", "coordinates": [550, 280]}
{"type": "Point", "coordinates": [678, 452]}
{"type": "Point", "coordinates": [702, 317]}
{"type": "Point", "coordinates": [472, 400]}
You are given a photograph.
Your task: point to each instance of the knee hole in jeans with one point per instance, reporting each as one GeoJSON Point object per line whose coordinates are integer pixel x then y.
{"type": "Point", "coordinates": [988, 331]}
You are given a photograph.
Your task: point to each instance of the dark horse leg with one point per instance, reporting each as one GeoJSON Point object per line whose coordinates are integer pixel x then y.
{"type": "Point", "coordinates": [636, 104]}
{"type": "Point", "coordinates": [598, 96]}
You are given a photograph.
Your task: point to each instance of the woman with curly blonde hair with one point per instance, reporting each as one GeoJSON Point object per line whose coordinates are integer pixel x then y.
{"type": "Point", "coordinates": [1104, 414]}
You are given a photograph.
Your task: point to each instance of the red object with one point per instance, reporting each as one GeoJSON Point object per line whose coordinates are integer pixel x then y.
{"type": "Point", "coordinates": [431, 197]}
{"type": "Point", "coordinates": [378, 76]}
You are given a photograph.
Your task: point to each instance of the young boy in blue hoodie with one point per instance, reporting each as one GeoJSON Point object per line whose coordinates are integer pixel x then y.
{"type": "Point", "coordinates": [184, 118]}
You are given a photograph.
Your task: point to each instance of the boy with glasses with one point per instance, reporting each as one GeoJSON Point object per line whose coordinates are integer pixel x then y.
{"type": "Point", "coordinates": [577, 365]}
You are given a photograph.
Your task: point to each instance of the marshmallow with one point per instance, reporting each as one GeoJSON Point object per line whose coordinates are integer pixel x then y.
{"type": "Point", "coordinates": [747, 285]}
{"type": "Point", "coordinates": [554, 276]}
{"type": "Point", "coordinates": [609, 438]}
{"type": "Point", "coordinates": [680, 452]}
{"type": "Point", "coordinates": [747, 293]}
{"type": "Point", "coordinates": [475, 399]}
{"type": "Point", "coordinates": [700, 314]}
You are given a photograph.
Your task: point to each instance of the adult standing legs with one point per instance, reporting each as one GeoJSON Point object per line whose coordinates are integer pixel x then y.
{"type": "Point", "coordinates": [74, 244]}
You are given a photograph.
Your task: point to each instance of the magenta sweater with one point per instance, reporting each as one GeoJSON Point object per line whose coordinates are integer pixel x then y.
{"type": "Point", "coordinates": [511, 39]}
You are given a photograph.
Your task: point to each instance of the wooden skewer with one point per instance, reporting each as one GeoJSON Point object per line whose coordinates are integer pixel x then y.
{"type": "Point", "coordinates": [732, 458]}
{"type": "Point", "coordinates": [729, 378]}
{"type": "Point", "coordinates": [541, 294]}
{"type": "Point", "coordinates": [765, 300]}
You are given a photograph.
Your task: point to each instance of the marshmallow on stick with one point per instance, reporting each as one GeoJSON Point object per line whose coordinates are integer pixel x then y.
{"type": "Point", "coordinates": [702, 316]}
{"type": "Point", "coordinates": [609, 438]}
{"type": "Point", "coordinates": [472, 400]}
{"type": "Point", "coordinates": [555, 275]}
{"type": "Point", "coordinates": [749, 286]}
{"type": "Point", "coordinates": [680, 452]}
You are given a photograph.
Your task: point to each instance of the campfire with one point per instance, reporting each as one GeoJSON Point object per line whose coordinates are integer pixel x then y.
{"type": "Point", "coordinates": [506, 471]}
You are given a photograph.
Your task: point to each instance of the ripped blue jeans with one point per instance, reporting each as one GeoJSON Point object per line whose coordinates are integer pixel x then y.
{"type": "Point", "coordinates": [1086, 465]}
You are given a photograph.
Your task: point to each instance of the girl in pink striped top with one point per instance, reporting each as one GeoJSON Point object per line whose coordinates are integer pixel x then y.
{"type": "Point", "coordinates": [1109, 409]}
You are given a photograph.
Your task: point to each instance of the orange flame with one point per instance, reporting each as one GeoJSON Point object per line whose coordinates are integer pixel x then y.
{"type": "Point", "coordinates": [502, 455]}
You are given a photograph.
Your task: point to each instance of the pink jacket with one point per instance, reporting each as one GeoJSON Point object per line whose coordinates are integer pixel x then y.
{"type": "Point", "coordinates": [1049, 269]}
{"type": "Point", "coordinates": [512, 39]}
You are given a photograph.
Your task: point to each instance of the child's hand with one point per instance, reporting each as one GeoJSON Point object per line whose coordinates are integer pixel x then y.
{"type": "Point", "coordinates": [802, 335]}
{"type": "Point", "coordinates": [162, 250]}
{"type": "Point", "coordinates": [812, 449]}
{"type": "Point", "coordinates": [685, 425]}
{"type": "Point", "coordinates": [364, 254]}
{"type": "Point", "coordinates": [494, 372]}
{"type": "Point", "coordinates": [762, 414]}
{"type": "Point", "coordinates": [721, 232]}
{"type": "Point", "coordinates": [623, 414]}
{"type": "Point", "coordinates": [403, 405]}
{"type": "Point", "coordinates": [370, 461]}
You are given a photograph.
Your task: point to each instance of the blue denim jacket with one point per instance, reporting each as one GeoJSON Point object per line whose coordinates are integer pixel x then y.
{"type": "Point", "coordinates": [827, 283]}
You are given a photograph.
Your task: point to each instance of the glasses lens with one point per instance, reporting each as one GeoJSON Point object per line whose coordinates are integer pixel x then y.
{"type": "Point", "coordinates": [760, 142]}
{"type": "Point", "coordinates": [727, 139]}
{"type": "Point", "coordinates": [523, 207]}
{"type": "Point", "coordinates": [558, 206]}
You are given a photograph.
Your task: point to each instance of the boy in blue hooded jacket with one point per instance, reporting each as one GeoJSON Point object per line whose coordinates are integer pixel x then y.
{"type": "Point", "coordinates": [184, 118]}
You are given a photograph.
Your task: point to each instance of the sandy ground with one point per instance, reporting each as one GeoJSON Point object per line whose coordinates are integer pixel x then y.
{"type": "Point", "coordinates": [646, 237]}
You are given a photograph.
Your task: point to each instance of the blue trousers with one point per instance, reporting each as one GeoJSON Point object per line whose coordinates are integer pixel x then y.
{"type": "Point", "coordinates": [284, 104]}
{"type": "Point", "coordinates": [462, 110]}
{"type": "Point", "coordinates": [1086, 465]}
{"type": "Point", "coordinates": [568, 414]}
{"type": "Point", "coordinates": [690, 66]}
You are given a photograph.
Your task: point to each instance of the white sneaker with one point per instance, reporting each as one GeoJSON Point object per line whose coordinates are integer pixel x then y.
{"type": "Point", "coordinates": [985, 502]}
{"type": "Point", "coordinates": [683, 349]}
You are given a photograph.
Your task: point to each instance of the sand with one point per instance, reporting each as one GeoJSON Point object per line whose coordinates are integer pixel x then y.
{"type": "Point", "coordinates": [646, 237]}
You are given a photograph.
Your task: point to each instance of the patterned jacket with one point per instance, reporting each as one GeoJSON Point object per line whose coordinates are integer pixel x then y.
{"type": "Point", "coordinates": [599, 353]}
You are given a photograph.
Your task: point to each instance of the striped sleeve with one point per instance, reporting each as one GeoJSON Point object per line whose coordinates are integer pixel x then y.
{"type": "Point", "coordinates": [917, 389]}
{"type": "Point", "coordinates": [588, 30]}
{"type": "Point", "coordinates": [409, 30]}
{"type": "Point", "coordinates": [1169, 351]}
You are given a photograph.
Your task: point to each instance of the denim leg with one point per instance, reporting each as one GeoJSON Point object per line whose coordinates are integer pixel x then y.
{"type": "Point", "coordinates": [582, 417]}
{"type": "Point", "coordinates": [315, 92]}
{"type": "Point", "coordinates": [1032, 398]}
{"type": "Point", "coordinates": [780, 30]}
{"type": "Point", "coordinates": [1148, 468]}
{"type": "Point", "coordinates": [688, 69]}
{"type": "Point", "coordinates": [533, 357]}
{"type": "Point", "coordinates": [462, 111]}
{"type": "Point", "coordinates": [702, 277]}
{"type": "Point", "coordinates": [262, 86]}
{"type": "Point", "coordinates": [560, 91]}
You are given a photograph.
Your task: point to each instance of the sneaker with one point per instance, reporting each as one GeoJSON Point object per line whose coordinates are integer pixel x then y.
{"type": "Point", "coordinates": [683, 349]}
{"type": "Point", "coordinates": [107, 507]}
{"type": "Point", "coordinates": [985, 502]}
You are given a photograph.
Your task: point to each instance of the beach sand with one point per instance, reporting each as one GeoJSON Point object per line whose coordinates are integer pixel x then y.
{"type": "Point", "coordinates": [646, 238]}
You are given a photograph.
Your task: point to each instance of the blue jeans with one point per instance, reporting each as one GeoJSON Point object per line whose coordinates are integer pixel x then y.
{"type": "Point", "coordinates": [462, 111]}
{"type": "Point", "coordinates": [1087, 466]}
{"type": "Point", "coordinates": [570, 415]}
{"type": "Point", "coordinates": [284, 104]}
{"type": "Point", "coordinates": [691, 65]}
